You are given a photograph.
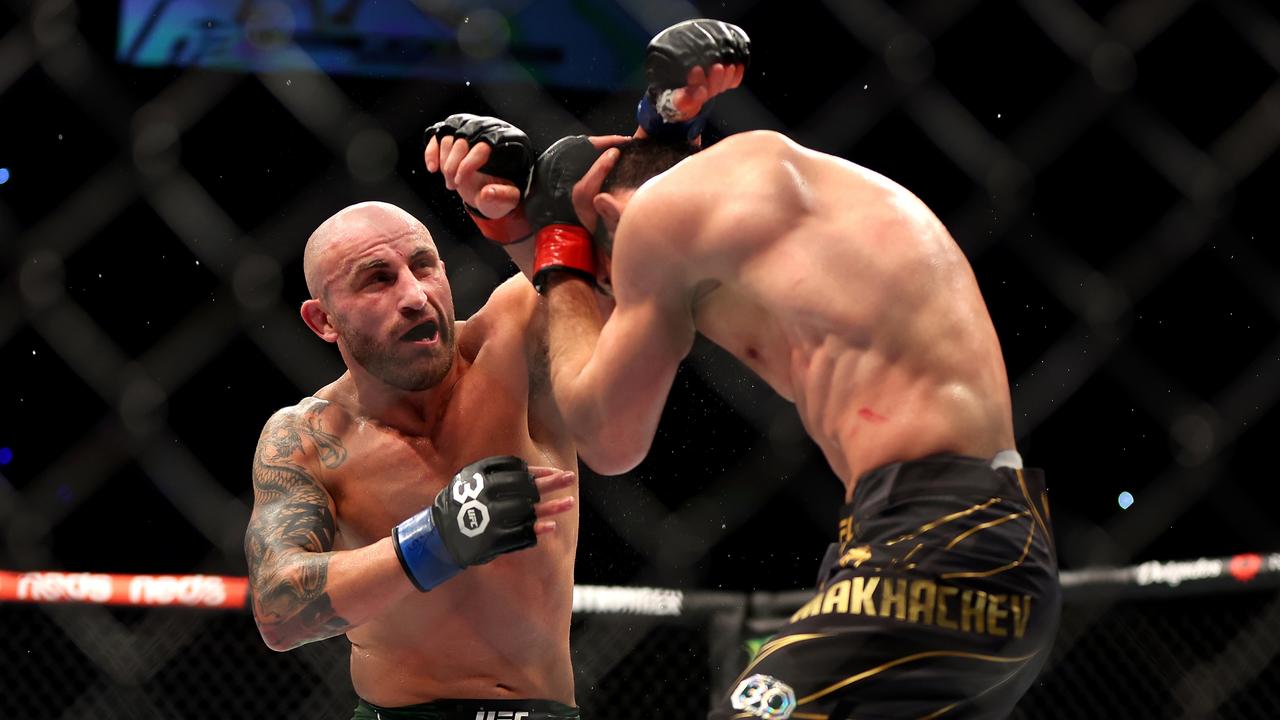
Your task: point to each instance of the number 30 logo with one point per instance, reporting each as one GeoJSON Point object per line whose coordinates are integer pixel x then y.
{"type": "Point", "coordinates": [473, 516]}
{"type": "Point", "coordinates": [764, 696]}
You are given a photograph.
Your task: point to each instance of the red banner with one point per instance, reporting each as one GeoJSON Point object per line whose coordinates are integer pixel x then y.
{"type": "Point", "coordinates": [203, 591]}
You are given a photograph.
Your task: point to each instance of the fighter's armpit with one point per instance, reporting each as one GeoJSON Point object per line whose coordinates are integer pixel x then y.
{"type": "Point", "coordinates": [522, 305]}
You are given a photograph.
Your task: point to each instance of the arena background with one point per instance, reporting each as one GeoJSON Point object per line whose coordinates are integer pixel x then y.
{"type": "Point", "coordinates": [1105, 166]}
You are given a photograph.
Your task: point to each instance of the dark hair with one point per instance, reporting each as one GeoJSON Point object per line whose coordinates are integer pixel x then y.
{"type": "Point", "coordinates": [642, 159]}
{"type": "Point", "coordinates": [638, 161]}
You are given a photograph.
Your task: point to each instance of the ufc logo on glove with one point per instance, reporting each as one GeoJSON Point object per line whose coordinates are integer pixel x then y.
{"type": "Point", "coordinates": [473, 516]}
{"type": "Point", "coordinates": [486, 510]}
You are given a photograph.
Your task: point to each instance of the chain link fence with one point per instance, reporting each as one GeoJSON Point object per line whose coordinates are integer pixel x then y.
{"type": "Point", "coordinates": [1108, 167]}
{"type": "Point", "coordinates": [1200, 657]}
{"type": "Point", "coordinates": [1199, 647]}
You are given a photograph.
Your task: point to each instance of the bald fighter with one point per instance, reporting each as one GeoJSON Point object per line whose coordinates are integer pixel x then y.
{"type": "Point", "coordinates": [395, 504]}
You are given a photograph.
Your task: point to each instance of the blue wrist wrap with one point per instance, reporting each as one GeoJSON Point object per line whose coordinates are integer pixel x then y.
{"type": "Point", "coordinates": [647, 117]}
{"type": "Point", "coordinates": [422, 552]}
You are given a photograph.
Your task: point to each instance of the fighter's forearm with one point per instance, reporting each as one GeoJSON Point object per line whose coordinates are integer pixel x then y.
{"type": "Point", "coordinates": [521, 254]}
{"type": "Point", "coordinates": [573, 330]}
{"type": "Point", "coordinates": [300, 597]}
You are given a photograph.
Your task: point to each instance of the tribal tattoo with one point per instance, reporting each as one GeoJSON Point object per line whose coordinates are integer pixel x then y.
{"type": "Point", "coordinates": [291, 532]}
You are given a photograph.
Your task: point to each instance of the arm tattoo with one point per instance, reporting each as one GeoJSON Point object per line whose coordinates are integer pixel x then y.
{"type": "Point", "coordinates": [328, 445]}
{"type": "Point", "coordinates": [290, 534]}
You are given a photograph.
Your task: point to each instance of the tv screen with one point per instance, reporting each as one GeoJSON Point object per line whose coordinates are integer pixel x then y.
{"type": "Point", "coordinates": [595, 45]}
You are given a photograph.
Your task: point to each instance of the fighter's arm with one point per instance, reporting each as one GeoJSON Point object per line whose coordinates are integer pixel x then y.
{"type": "Point", "coordinates": [460, 160]}
{"type": "Point", "coordinates": [611, 379]}
{"type": "Point", "coordinates": [488, 161]}
{"type": "Point", "coordinates": [460, 157]}
{"type": "Point", "coordinates": [685, 66]}
{"type": "Point", "coordinates": [301, 590]}
{"type": "Point", "coordinates": [685, 105]}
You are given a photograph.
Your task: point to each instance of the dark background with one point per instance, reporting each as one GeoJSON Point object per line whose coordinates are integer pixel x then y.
{"type": "Point", "coordinates": [1109, 168]}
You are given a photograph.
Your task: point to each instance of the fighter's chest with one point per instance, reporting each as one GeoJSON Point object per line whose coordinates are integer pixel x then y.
{"type": "Point", "coordinates": [389, 475]}
{"type": "Point", "coordinates": [731, 317]}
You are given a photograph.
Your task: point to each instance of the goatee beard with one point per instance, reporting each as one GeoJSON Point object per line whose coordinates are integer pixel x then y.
{"type": "Point", "coordinates": [420, 374]}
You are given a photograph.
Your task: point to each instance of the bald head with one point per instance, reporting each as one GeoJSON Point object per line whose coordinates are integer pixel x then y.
{"type": "Point", "coordinates": [349, 231]}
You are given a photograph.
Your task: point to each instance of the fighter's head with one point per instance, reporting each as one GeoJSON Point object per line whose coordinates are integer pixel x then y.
{"type": "Point", "coordinates": [379, 291]}
{"type": "Point", "coordinates": [638, 162]}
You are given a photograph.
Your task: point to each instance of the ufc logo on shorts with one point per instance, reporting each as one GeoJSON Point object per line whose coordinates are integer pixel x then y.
{"type": "Point", "coordinates": [502, 715]}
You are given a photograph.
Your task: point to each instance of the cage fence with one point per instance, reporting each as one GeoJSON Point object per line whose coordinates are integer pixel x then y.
{"type": "Point", "coordinates": [1194, 639]}
{"type": "Point", "coordinates": [1094, 306]}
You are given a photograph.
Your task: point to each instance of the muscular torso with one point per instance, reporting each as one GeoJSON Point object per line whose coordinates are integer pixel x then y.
{"type": "Point", "coordinates": [493, 631]}
{"type": "Point", "coordinates": [847, 295]}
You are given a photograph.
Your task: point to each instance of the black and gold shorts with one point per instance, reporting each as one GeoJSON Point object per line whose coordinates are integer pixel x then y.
{"type": "Point", "coordinates": [940, 601]}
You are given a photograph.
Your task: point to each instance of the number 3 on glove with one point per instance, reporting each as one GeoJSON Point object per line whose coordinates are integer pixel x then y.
{"type": "Point", "coordinates": [486, 510]}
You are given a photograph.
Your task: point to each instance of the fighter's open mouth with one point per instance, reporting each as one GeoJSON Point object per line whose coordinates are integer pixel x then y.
{"type": "Point", "coordinates": [426, 331]}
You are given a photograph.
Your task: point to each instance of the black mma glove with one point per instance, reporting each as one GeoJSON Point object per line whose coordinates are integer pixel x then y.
{"type": "Point", "coordinates": [671, 55]}
{"type": "Point", "coordinates": [511, 158]}
{"type": "Point", "coordinates": [563, 245]}
{"type": "Point", "coordinates": [486, 510]}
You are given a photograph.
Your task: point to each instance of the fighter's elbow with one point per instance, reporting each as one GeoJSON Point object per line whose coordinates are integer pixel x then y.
{"type": "Point", "coordinates": [610, 440]}
{"type": "Point", "coordinates": [607, 464]}
{"type": "Point", "coordinates": [275, 612]}
{"type": "Point", "coordinates": [278, 646]}
{"type": "Point", "coordinates": [274, 638]}
{"type": "Point", "coordinates": [612, 453]}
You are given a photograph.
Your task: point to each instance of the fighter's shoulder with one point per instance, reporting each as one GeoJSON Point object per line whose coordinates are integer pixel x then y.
{"type": "Point", "coordinates": [508, 312]}
{"type": "Point", "coordinates": [716, 168]}
{"type": "Point", "coordinates": [514, 300]}
{"type": "Point", "coordinates": [516, 291]}
{"type": "Point", "coordinates": [750, 158]}
{"type": "Point", "coordinates": [309, 415]}
{"type": "Point", "coordinates": [748, 144]}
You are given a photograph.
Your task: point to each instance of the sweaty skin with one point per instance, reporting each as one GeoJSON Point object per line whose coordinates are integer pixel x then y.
{"type": "Point", "coordinates": [335, 473]}
{"type": "Point", "coordinates": [834, 284]}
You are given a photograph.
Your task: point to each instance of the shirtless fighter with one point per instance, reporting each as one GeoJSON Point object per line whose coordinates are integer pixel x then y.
{"type": "Point", "coordinates": [845, 293]}
{"type": "Point", "coordinates": [363, 523]}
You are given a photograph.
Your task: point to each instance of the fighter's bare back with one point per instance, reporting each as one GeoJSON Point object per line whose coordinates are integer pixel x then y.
{"type": "Point", "coordinates": [838, 287]}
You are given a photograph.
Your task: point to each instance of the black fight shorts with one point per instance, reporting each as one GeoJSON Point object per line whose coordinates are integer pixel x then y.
{"type": "Point", "coordinates": [940, 601]}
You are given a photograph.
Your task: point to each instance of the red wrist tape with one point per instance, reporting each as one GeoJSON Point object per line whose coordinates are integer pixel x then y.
{"type": "Point", "coordinates": [565, 247]}
{"type": "Point", "coordinates": [506, 230]}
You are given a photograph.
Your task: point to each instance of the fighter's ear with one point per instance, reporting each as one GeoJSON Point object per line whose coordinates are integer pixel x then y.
{"type": "Point", "coordinates": [317, 318]}
{"type": "Point", "coordinates": [608, 208]}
